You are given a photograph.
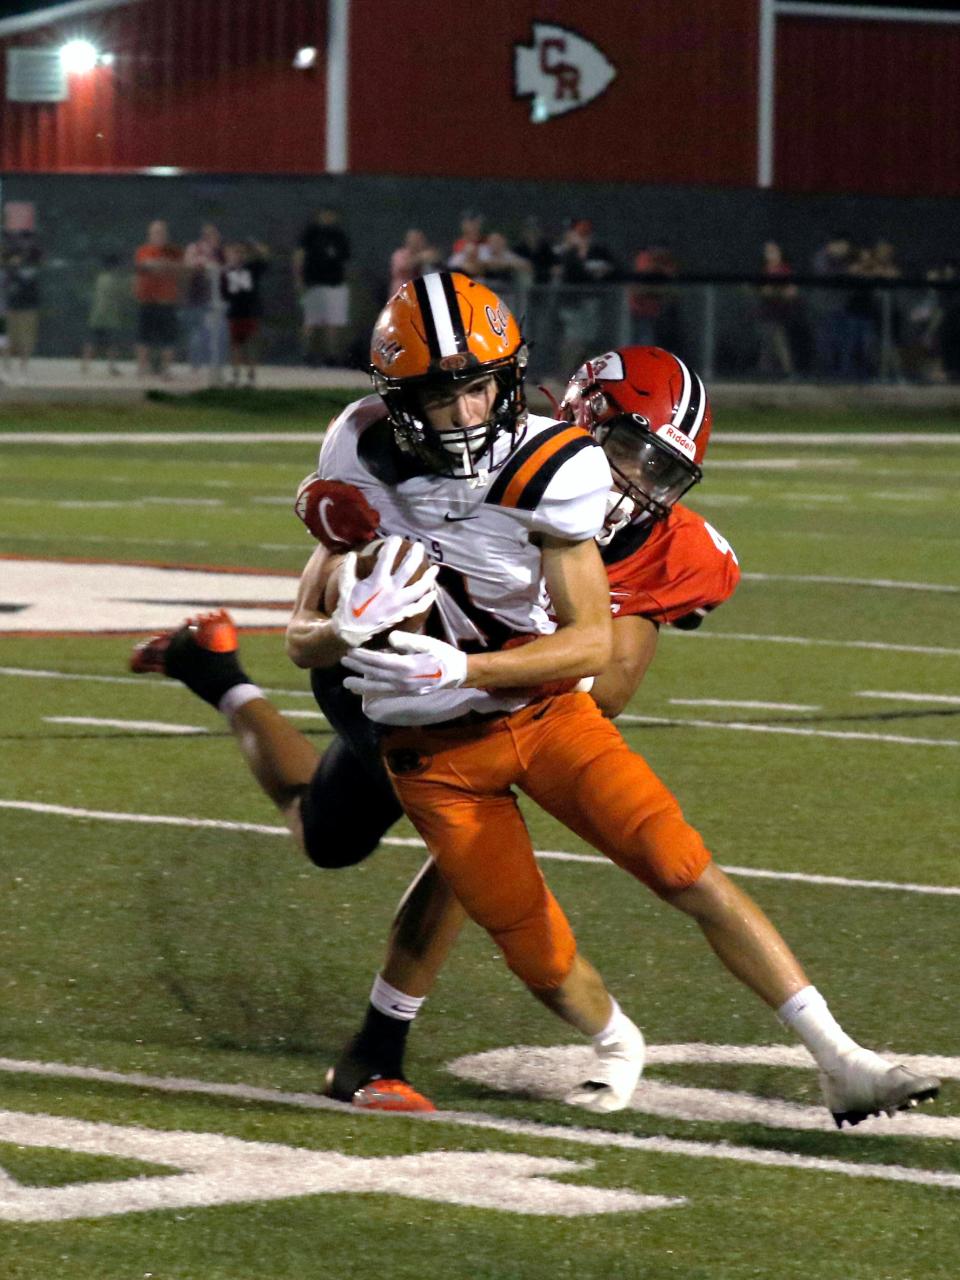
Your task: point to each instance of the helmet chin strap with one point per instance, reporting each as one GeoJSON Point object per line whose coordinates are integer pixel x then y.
{"type": "Point", "coordinates": [621, 509]}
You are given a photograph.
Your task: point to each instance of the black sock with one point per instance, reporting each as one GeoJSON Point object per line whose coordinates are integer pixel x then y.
{"type": "Point", "coordinates": [375, 1051]}
{"type": "Point", "coordinates": [208, 675]}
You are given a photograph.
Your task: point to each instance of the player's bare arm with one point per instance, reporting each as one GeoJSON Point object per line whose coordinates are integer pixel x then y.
{"type": "Point", "coordinates": [311, 640]}
{"type": "Point", "coordinates": [634, 644]}
{"type": "Point", "coordinates": [583, 642]}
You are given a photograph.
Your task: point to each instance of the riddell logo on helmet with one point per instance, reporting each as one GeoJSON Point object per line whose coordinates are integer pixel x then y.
{"type": "Point", "coordinates": [683, 444]}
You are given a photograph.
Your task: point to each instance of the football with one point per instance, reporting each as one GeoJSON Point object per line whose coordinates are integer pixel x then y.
{"type": "Point", "coordinates": [366, 560]}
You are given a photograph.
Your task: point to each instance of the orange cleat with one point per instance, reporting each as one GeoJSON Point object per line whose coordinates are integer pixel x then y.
{"type": "Point", "coordinates": [202, 654]}
{"type": "Point", "coordinates": [214, 632]}
{"type": "Point", "coordinates": [390, 1095]}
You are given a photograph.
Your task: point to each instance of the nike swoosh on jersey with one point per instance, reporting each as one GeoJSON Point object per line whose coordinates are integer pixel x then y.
{"type": "Point", "coordinates": [452, 519]}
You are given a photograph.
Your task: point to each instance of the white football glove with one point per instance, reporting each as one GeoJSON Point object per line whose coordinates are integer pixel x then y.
{"type": "Point", "coordinates": [370, 605]}
{"type": "Point", "coordinates": [417, 664]}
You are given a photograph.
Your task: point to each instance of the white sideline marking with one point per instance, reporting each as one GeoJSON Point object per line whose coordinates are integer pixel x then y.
{"type": "Point", "coordinates": [411, 842]}
{"type": "Point", "coordinates": [832, 580]}
{"type": "Point", "coordinates": [736, 702]}
{"type": "Point", "coordinates": [523, 1128]}
{"type": "Point", "coordinates": [736, 726]}
{"type": "Point", "coordinates": [930, 651]}
{"type": "Point", "coordinates": [944, 698]}
{"type": "Point", "coordinates": [143, 726]}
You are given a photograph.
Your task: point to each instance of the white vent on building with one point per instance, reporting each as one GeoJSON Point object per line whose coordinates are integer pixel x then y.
{"type": "Point", "coordinates": [35, 75]}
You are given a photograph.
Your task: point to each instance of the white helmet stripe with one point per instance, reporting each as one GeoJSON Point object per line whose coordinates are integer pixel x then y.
{"type": "Point", "coordinates": [684, 394]}
{"type": "Point", "coordinates": [693, 403]}
{"type": "Point", "coordinates": [440, 313]}
{"type": "Point", "coordinates": [699, 411]}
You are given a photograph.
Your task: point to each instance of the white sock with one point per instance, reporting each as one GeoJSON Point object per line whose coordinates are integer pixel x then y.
{"type": "Point", "coordinates": [806, 1014]}
{"type": "Point", "coordinates": [237, 697]}
{"type": "Point", "coordinates": [394, 1003]}
{"type": "Point", "coordinates": [615, 1029]}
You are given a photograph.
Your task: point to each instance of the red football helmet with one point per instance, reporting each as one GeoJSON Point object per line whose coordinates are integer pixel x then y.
{"type": "Point", "coordinates": [651, 416]}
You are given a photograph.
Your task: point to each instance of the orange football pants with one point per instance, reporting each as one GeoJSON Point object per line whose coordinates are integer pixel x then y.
{"type": "Point", "coordinates": [455, 784]}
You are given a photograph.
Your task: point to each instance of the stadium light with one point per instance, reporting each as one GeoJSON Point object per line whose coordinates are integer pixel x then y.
{"type": "Point", "coordinates": [107, 59]}
{"type": "Point", "coordinates": [78, 57]}
{"type": "Point", "coordinates": [305, 58]}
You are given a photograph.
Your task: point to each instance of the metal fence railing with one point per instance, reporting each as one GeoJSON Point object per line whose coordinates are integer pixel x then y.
{"type": "Point", "coordinates": [727, 327]}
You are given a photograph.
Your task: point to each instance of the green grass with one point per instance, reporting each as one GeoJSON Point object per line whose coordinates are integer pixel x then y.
{"type": "Point", "coordinates": [176, 951]}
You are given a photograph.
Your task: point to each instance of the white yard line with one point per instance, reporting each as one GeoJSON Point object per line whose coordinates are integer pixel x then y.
{"type": "Point", "coordinates": [734, 702]}
{"type": "Point", "coordinates": [161, 437]}
{"type": "Point", "coordinates": [410, 842]}
{"type": "Point", "coordinates": [875, 439]}
{"type": "Point", "coordinates": [795, 731]}
{"type": "Point", "coordinates": [781, 464]}
{"type": "Point", "coordinates": [930, 651]}
{"type": "Point", "coordinates": [943, 699]}
{"type": "Point", "coordinates": [133, 726]}
{"type": "Point", "coordinates": [831, 580]}
{"type": "Point", "coordinates": [592, 1137]}
{"type": "Point", "coordinates": [37, 673]}
{"type": "Point", "coordinates": [865, 439]}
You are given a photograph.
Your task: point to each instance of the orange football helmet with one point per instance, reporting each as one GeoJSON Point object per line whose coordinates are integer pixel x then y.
{"type": "Point", "coordinates": [435, 334]}
{"type": "Point", "coordinates": [652, 418]}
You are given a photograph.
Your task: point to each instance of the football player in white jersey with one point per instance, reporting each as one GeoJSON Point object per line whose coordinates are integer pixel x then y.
{"type": "Point", "coordinates": [456, 449]}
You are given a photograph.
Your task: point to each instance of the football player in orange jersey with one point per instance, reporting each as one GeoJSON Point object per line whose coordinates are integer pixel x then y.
{"type": "Point", "coordinates": [448, 430]}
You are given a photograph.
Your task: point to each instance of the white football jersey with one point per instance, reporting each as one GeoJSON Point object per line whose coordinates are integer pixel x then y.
{"type": "Point", "coordinates": [554, 481]}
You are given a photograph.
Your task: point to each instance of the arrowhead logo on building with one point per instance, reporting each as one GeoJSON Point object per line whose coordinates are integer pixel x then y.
{"type": "Point", "coordinates": [559, 71]}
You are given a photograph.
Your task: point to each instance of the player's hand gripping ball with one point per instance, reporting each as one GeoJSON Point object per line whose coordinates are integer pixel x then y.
{"type": "Point", "coordinates": [388, 585]}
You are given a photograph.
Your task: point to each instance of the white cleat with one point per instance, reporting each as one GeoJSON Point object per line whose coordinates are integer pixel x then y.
{"type": "Point", "coordinates": [615, 1073]}
{"type": "Point", "coordinates": [864, 1084]}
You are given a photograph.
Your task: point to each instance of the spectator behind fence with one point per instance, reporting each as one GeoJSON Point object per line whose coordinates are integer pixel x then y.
{"type": "Point", "coordinates": [833, 330]}
{"type": "Point", "coordinates": [502, 266]}
{"type": "Point", "coordinates": [244, 265]}
{"type": "Point", "coordinates": [777, 310]}
{"type": "Point", "coordinates": [203, 322]}
{"type": "Point", "coordinates": [581, 261]}
{"type": "Point", "coordinates": [412, 259]}
{"type": "Point", "coordinates": [111, 290]}
{"type": "Point", "coordinates": [320, 276]}
{"type": "Point", "coordinates": [888, 303]}
{"type": "Point", "coordinates": [21, 257]}
{"type": "Point", "coordinates": [471, 232]}
{"type": "Point", "coordinates": [651, 304]}
{"type": "Point", "coordinates": [535, 245]}
{"type": "Point", "coordinates": [158, 267]}
{"type": "Point", "coordinates": [863, 318]}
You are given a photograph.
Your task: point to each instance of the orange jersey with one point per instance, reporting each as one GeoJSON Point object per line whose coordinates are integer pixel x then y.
{"type": "Point", "coordinates": [674, 571]}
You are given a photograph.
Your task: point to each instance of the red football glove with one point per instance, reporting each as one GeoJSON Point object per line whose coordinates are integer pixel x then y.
{"type": "Point", "coordinates": [338, 515]}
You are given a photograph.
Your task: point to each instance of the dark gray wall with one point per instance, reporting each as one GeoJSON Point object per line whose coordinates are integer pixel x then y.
{"type": "Point", "coordinates": [718, 229]}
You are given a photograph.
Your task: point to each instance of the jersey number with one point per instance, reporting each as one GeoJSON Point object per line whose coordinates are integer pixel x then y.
{"type": "Point", "coordinates": [720, 542]}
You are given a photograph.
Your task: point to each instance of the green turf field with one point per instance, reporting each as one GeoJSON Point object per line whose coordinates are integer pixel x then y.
{"type": "Point", "coordinates": [172, 992]}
